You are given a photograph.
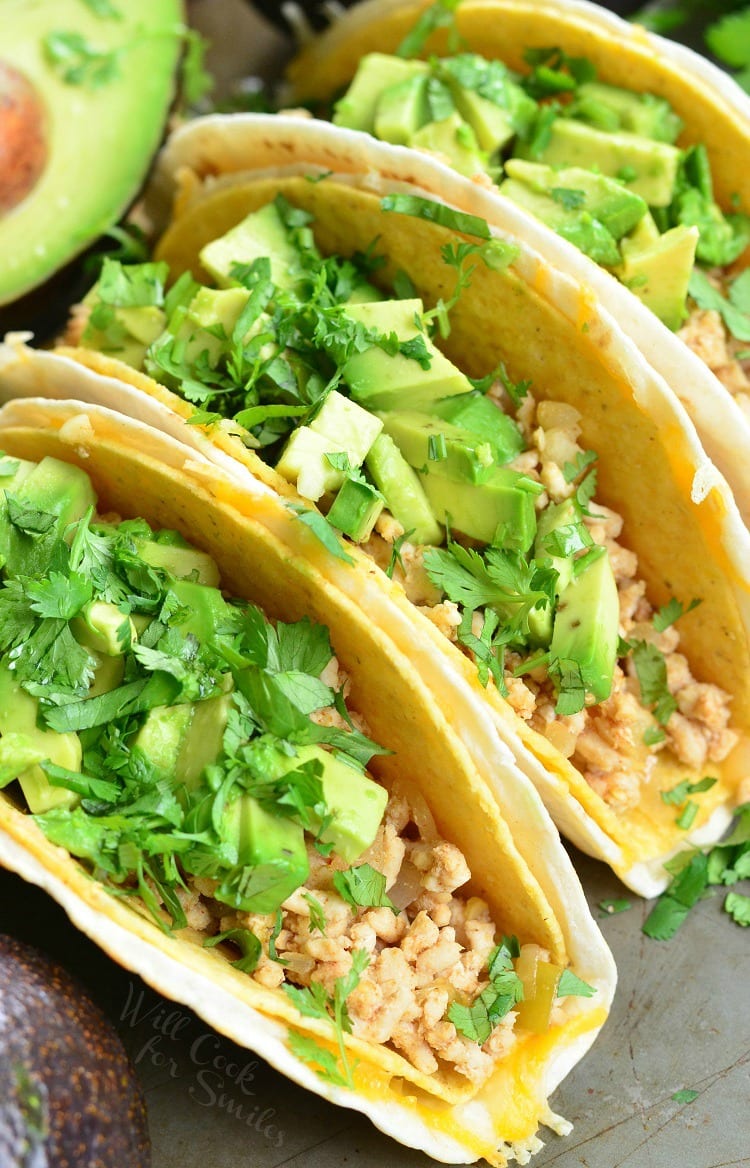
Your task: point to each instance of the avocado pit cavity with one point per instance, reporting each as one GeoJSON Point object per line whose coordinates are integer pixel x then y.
{"type": "Point", "coordinates": [23, 137]}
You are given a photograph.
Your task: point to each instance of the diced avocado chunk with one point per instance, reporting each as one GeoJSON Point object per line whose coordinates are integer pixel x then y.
{"type": "Point", "coordinates": [202, 744]}
{"type": "Point", "coordinates": [493, 126]}
{"type": "Point", "coordinates": [102, 627]}
{"type": "Point", "coordinates": [501, 509]}
{"type": "Point", "coordinates": [304, 461]}
{"type": "Point", "coordinates": [555, 519]}
{"type": "Point", "coordinates": [586, 625]}
{"type": "Point", "coordinates": [403, 493]}
{"type": "Point", "coordinates": [455, 139]}
{"type": "Point", "coordinates": [486, 421]}
{"type": "Point", "coordinates": [382, 382]}
{"type": "Point", "coordinates": [18, 717]}
{"type": "Point", "coordinates": [181, 562]}
{"type": "Point", "coordinates": [376, 73]}
{"type": "Point", "coordinates": [352, 428]}
{"type": "Point", "coordinates": [139, 327]}
{"type": "Point", "coordinates": [616, 207]}
{"type": "Point", "coordinates": [653, 165]}
{"type": "Point", "coordinates": [55, 488]}
{"type": "Point", "coordinates": [262, 233]}
{"type": "Point", "coordinates": [579, 227]}
{"type": "Point", "coordinates": [354, 800]}
{"type": "Point", "coordinates": [426, 441]}
{"type": "Point", "coordinates": [207, 323]}
{"type": "Point", "coordinates": [207, 612]}
{"type": "Point", "coordinates": [609, 108]}
{"type": "Point", "coordinates": [108, 674]}
{"type": "Point", "coordinates": [355, 509]}
{"type": "Point", "coordinates": [401, 110]}
{"type": "Point", "coordinates": [659, 272]}
{"type": "Point", "coordinates": [271, 857]}
{"type": "Point", "coordinates": [161, 737]}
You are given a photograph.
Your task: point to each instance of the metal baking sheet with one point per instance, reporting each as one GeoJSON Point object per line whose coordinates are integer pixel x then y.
{"type": "Point", "coordinates": [681, 1017]}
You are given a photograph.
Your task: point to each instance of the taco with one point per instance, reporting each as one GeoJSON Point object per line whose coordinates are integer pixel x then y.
{"type": "Point", "coordinates": [630, 713]}
{"type": "Point", "coordinates": [625, 151]}
{"type": "Point", "coordinates": [192, 788]}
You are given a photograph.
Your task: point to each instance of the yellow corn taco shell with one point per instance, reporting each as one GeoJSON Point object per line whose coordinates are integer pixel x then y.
{"type": "Point", "coordinates": [714, 110]}
{"type": "Point", "coordinates": [679, 515]}
{"type": "Point", "coordinates": [137, 471]}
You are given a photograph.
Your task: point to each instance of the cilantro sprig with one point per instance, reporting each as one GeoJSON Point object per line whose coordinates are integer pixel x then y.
{"type": "Point", "coordinates": [505, 990]}
{"type": "Point", "coordinates": [314, 1001]}
{"type": "Point", "coordinates": [694, 873]}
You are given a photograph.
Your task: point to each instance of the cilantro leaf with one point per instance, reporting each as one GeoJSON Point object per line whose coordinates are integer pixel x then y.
{"type": "Point", "coordinates": [671, 612]}
{"type": "Point", "coordinates": [568, 197]}
{"type": "Point", "coordinates": [77, 61]}
{"type": "Point", "coordinates": [317, 915]}
{"type": "Point", "coordinates": [685, 1096]}
{"type": "Point", "coordinates": [651, 670]}
{"type": "Point", "coordinates": [321, 529]}
{"type": "Point", "coordinates": [322, 1060]}
{"type": "Point", "coordinates": [246, 941]}
{"type": "Point", "coordinates": [738, 907]}
{"type": "Point", "coordinates": [420, 208]}
{"type": "Point", "coordinates": [363, 886]}
{"type": "Point", "coordinates": [570, 986]}
{"type": "Point", "coordinates": [440, 14]}
{"type": "Point", "coordinates": [614, 905]}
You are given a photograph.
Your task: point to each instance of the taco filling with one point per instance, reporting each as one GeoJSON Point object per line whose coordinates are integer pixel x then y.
{"type": "Point", "coordinates": [480, 501]}
{"type": "Point", "coordinates": [595, 162]}
{"type": "Point", "coordinates": [201, 762]}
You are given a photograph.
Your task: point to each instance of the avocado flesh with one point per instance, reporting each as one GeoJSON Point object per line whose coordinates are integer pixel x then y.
{"type": "Point", "coordinates": [504, 502]}
{"type": "Point", "coordinates": [431, 442]}
{"type": "Point", "coordinates": [179, 561]}
{"type": "Point", "coordinates": [575, 144]}
{"type": "Point", "coordinates": [100, 139]}
{"type": "Point", "coordinates": [260, 234]}
{"type": "Point", "coordinates": [658, 273]}
{"type": "Point", "coordinates": [271, 855]}
{"type": "Point", "coordinates": [404, 494]}
{"type": "Point", "coordinates": [616, 207]}
{"type": "Point", "coordinates": [376, 72]}
{"type": "Point", "coordinates": [586, 626]}
{"type": "Point", "coordinates": [486, 421]}
{"type": "Point", "coordinates": [638, 113]}
{"type": "Point", "coordinates": [18, 717]}
{"type": "Point", "coordinates": [401, 110]}
{"type": "Point", "coordinates": [454, 138]}
{"type": "Point", "coordinates": [382, 382]}
{"type": "Point", "coordinates": [55, 488]}
{"type": "Point", "coordinates": [355, 509]}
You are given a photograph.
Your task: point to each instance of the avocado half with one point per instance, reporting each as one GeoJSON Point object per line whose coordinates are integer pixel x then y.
{"type": "Point", "coordinates": [85, 89]}
{"type": "Point", "coordinates": [69, 1096]}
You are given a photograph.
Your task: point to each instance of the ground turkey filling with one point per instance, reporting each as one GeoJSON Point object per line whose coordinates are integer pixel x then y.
{"type": "Point", "coordinates": [434, 950]}
{"type": "Point", "coordinates": [709, 338]}
{"type": "Point", "coordinates": [604, 741]}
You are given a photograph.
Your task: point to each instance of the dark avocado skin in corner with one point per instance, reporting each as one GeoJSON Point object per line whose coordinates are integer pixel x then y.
{"type": "Point", "coordinates": [69, 1097]}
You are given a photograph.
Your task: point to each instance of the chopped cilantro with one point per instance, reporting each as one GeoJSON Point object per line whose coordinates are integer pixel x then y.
{"type": "Point", "coordinates": [671, 612]}
{"type": "Point", "coordinates": [614, 905]}
{"type": "Point", "coordinates": [322, 1060]}
{"type": "Point", "coordinates": [572, 986]}
{"type": "Point", "coordinates": [651, 670]}
{"type": "Point", "coordinates": [395, 559]}
{"type": "Point", "coordinates": [706, 296]}
{"type": "Point", "coordinates": [420, 208]}
{"type": "Point", "coordinates": [680, 792]}
{"type": "Point", "coordinates": [317, 915]}
{"type": "Point", "coordinates": [246, 941]}
{"type": "Point", "coordinates": [553, 72]}
{"type": "Point", "coordinates": [477, 1020]}
{"type": "Point", "coordinates": [738, 907]}
{"type": "Point", "coordinates": [195, 80]}
{"type": "Point", "coordinates": [315, 1002]}
{"type": "Point", "coordinates": [321, 529]}
{"type": "Point", "coordinates": [686, 818]}
{"type": "Point", "coordinates": [685, 1096]}
{"type": "Point", "coordinates": [440, 14]}
{"type": "Point", "coordinates": [363, 886]}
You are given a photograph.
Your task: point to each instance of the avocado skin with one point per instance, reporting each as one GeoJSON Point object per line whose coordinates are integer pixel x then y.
{"type": "Point", "coordinates": [69, 1097]}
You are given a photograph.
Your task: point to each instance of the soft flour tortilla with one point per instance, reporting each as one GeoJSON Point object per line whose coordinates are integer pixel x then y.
{"type": "Point", "coordinates": [714, 109]}
{"type": "Point", "coordinates": [181, 489]}
{"type": "Point", "coordinates": [680, 516]}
